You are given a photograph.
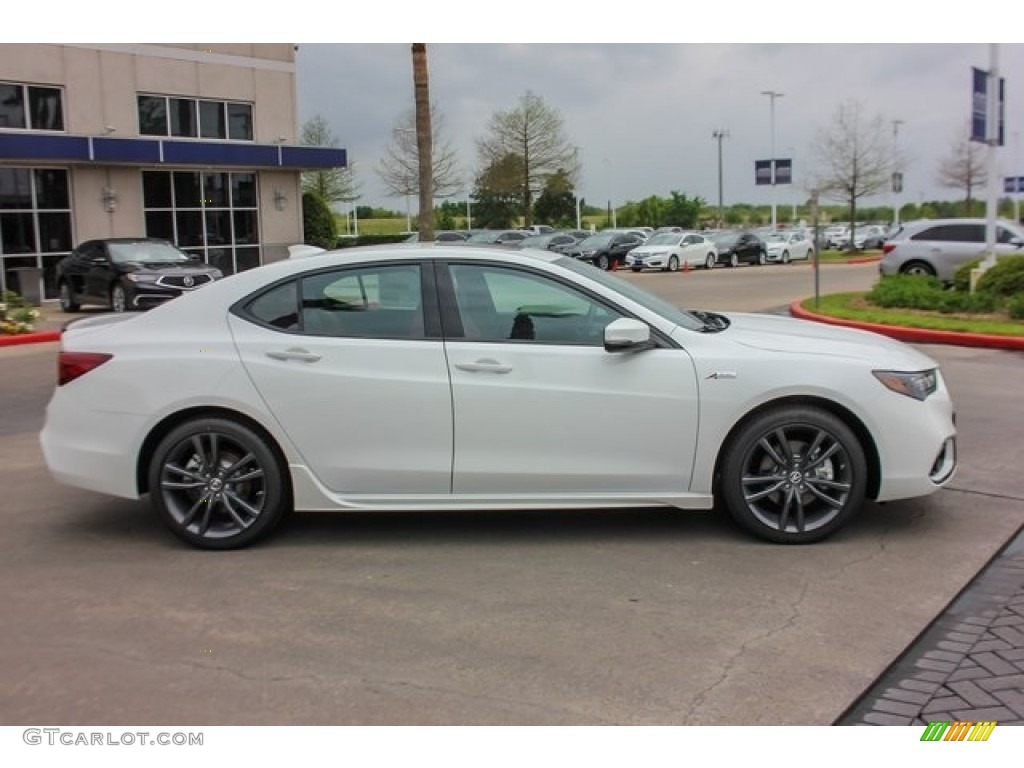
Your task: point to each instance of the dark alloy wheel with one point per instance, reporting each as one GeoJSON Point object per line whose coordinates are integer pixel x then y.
{"type": "Point", "coordinates": [793, 475]}
{"type": "Point", "coordinates": [602, 262]}
{"type": "Point", "coordinates": [67, 298]}
{"type": "Point", "coordinates": [216, 484]}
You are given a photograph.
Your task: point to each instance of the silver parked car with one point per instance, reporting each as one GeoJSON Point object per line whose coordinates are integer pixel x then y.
{"type": "Point", "coordinates": [939, 246]}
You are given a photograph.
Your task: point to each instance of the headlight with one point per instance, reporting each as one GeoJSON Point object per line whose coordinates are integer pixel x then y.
{"type": "Point", "coordinates": [134, 277]}
{"type": "Point", "coordinates": [216, 274]}
{"type": "Point", "coordinates": [917, 385]}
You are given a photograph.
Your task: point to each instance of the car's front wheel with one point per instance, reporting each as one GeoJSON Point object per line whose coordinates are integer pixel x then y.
{"type": "Point", "coordinates": [601, 261]}
{"type": "Point", "coordinates": [785, 257]}
{"type": "Point", "coordinates": [709, 262]}
{"type": "Point", "coordinates": [793, 475]}
{"type": "Point", "coordinates": [762, 258]}
{"type": "Point", "coordinates": [734, 260]}
{"type": "Point", "coordinates": [118, 298]}
{"type": "Point", "coordinates": [217, 484]}
{"type": "Point", "coordinates": [673, 263]}
{"type": "Point", "coordinates": [67, 298]}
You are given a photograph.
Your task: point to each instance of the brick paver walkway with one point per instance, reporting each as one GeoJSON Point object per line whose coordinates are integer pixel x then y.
{"type": "Point", "coordinates": [969, 665]}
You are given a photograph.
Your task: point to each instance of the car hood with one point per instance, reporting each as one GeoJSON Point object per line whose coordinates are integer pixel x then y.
{"type": "Point", "coordinates": [640, 250]}
{"type": "Point", "coordinates": [789, 335]}
{"type": "Point", "coordinates": [168, 268]}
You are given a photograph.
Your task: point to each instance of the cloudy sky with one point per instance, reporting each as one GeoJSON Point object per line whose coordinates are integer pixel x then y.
{"type": "Point", "coordinates": [643, 114]}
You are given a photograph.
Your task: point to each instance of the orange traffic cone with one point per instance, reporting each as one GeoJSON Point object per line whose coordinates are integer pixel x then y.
{"type": "Point", "coordinates": [686, 265]}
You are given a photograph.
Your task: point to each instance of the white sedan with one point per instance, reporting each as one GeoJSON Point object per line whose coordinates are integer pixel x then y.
{"type": "Point", "coordinates": [784, 247]}
{"type": "Point", "coordinates": [670, 251]}
{"type": "Point", "coordinates": [436, 377]}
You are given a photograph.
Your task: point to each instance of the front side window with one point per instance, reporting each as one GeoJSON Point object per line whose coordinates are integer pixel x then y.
{"type": "Point", "coordinates": [35, 107]}
{"type": "Point", "coordinates": [501, 305]}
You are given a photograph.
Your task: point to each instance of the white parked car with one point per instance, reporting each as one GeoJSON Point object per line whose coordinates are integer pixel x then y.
{"type": "Point", "coordinates": [445, 377]}
{"type": "Point", "coordinates": [672, 251]}
{"type": "Point", "coordinates": [784, 247]}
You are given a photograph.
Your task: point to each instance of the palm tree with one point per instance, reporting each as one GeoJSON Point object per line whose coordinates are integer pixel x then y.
{"type": "Point", "coordinates": [424, 140]}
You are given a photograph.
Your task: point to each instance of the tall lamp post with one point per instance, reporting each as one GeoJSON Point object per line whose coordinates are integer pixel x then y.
{"type": "Point", "coordinates": [773, 95]}
{"type": "Point", "coordinates": [718, 134]}
{"type": "Point", "coordinates": [897, 176]}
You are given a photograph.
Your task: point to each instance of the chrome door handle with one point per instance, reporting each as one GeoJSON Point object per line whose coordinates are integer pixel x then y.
{"type": "Point", "coordinates": [295, 353]}
{"type": "Point", "coordinates": [486, 365]}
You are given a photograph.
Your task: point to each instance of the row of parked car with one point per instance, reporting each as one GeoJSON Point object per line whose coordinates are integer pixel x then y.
{"type": "Point", "coordinates": [668, 249]}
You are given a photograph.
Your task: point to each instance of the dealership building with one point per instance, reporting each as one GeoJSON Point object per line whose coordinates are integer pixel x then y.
{"type": "Point", "coordinates": [198, 144]}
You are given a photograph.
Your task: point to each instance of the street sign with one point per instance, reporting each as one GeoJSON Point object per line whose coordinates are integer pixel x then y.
{"type": "Point", "coordinates": [979, 106]}
{"type": "Point", "coordinates": [1013, 184]}
{"type": "Point", "coordinates": [783, 171]}
{"type": "Point", "coordinates": [762, 172]}
{"type": "Point", "coordinates": [897, 182]}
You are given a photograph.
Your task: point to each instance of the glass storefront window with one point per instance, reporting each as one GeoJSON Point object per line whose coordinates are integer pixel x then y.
{"type": "Point", "coordinates": [35, 224]}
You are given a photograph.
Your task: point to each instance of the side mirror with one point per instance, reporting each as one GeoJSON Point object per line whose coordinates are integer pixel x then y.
{"type": "Point", "coordinates": [627, 335]}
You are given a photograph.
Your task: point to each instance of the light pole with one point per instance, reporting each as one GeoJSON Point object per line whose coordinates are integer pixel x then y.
{"type": "Point", "coordinates": [897, 177]}
{"type": "Point", "coordinates": [772, 96]}
{"type": "Point", "coordinates": [718, 134]}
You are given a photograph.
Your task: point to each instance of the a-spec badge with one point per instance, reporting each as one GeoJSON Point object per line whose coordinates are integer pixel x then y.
{"type": "Point", "coordinates": [722, 375]}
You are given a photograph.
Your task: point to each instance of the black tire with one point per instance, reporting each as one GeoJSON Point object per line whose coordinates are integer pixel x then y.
{"type": "Point", "coordinates": [118, 298]}
{"type": "Point", "coordinates": [67, 298]}
{"type": "Point", "coordinates": [217, 484]}
{"type": "Point", "coordinates": [734, 260]}
{"type": "Point", "coordinates": [673, 263]}
{"type": "Point", "coordinates": [762, 258]}
{"type": "Point", "coordinates": [785, 257]}
{"type": "Point", "coordinates": [793, 475]}
{"type": "Point", "coordinates": [918, 268]}
{"type": "Point", "coordinates": [601, 261]}
{"type": "Point", "coordinates": [710, 261]}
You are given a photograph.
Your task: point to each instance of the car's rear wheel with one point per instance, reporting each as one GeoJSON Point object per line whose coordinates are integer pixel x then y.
{"type": "Point", "coordinates": [918, 269]}
{"type": "Point", "coordinates": [67, 298]}
{"type": "Point", "coordinates": [793, 475]}
{"type": "Point", "coordinates": [217, 484]}
{"type": "Point", "coordinates": [118, 299]}
{"type": "Point", "coordinates": [709, 262]}
{"type": "Point", "coordinates": [673, 263]}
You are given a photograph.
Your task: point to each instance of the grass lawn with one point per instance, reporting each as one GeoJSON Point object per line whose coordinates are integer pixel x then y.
{"type": "Point", "coordinates": [852, 306]}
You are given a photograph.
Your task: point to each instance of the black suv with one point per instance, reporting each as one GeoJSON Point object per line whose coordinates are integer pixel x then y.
{"type": "Point", "coordinates": [128, 273]}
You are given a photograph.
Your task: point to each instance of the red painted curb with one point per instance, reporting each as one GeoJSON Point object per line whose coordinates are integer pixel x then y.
{"type": "Point", "coordinates": [917, 335]}
{"type": "Point", "coordinates": [29, 338]}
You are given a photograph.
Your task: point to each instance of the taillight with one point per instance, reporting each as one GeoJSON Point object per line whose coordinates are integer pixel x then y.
{"type": "Point", "coordinates": [71, 365]}
{"type": "Point", "coordinates": [888, 247]}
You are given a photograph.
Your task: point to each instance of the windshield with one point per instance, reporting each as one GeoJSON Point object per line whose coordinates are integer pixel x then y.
{"type": "Point", "coordinates": [146, 252]}
{"type": "Point", "coordinates": [669, 311]}
{"type": "Point", "coordinates": [595, 241]}
{"type": "Point", "coordinates": [777, 238]}
{"type": "Point", "coordinates": [535, 241]}
{"type": "Point", "coordinates": [483, 237]}
{"type": "Point", "coordinates": [726, 238]}
{"type": "Point", "coordinates": [665, 238]}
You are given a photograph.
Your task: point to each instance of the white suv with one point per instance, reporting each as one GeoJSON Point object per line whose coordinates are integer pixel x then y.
{"type": "Point", "coordinates": [939, 246]}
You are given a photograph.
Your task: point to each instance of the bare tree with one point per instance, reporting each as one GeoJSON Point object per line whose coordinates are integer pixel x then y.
{"type": "Point", "coordinates": [399, 169]}
{"type": "Point", "coordinates": [334, 185]}
{"type": "Point", "coordinates": [424, 140]}
{"type": "Point", "coordinates": [856, 157]}
{"type": "Point", "coordinates": [964, 167]}
{"type": "Point", "coordinates": [534, 133]}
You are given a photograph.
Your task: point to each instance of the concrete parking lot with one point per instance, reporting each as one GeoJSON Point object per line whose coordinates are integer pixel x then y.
{"type": "Point", "coordinates": [628, 617]}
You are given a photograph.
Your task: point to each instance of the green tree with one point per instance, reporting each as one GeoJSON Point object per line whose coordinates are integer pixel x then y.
{"type": "Point", "coordinates": [318, 225]}
{"type": "Point", "coordinates": [556, 204]}
{"type": "Point", "coordinates": [534, 134]}
{"type": "Point", "coordinates": [335, 185]}
{"type": "Point", "coordinates": [496, 194]}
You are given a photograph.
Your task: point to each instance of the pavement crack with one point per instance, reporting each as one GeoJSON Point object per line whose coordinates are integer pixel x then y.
{"type": "Point", "coordinates": [985, 494]}
{"type": "Point", "coordinates": [733, 660]}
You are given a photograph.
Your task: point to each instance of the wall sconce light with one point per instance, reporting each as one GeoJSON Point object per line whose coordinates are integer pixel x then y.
{"type": "Point", "coordinates": [109, 199]}
{"type": "Point", "coordinates": [280, 198]}
{"type": "Point", "coordinates": [109, 129]}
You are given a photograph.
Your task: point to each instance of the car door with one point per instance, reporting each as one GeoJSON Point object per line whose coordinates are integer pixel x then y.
{"type": "Point", "coordinates": [541, 407]}
{"type": "Point", "coordinates": [351, 364]}
{"type": "Point", "coordinates": [99, 271]}
{"type": "Point", "coordinates": [75, 268]}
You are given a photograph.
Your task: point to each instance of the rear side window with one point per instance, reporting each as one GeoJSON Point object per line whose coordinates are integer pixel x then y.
{"type": "Point", "coordinates": [277, 307]}
{"type": "Point", "coordinates": [953, 233]}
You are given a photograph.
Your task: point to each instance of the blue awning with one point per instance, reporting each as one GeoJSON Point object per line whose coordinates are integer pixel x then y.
{"type": "Point", "coordinates": [106, 150]}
